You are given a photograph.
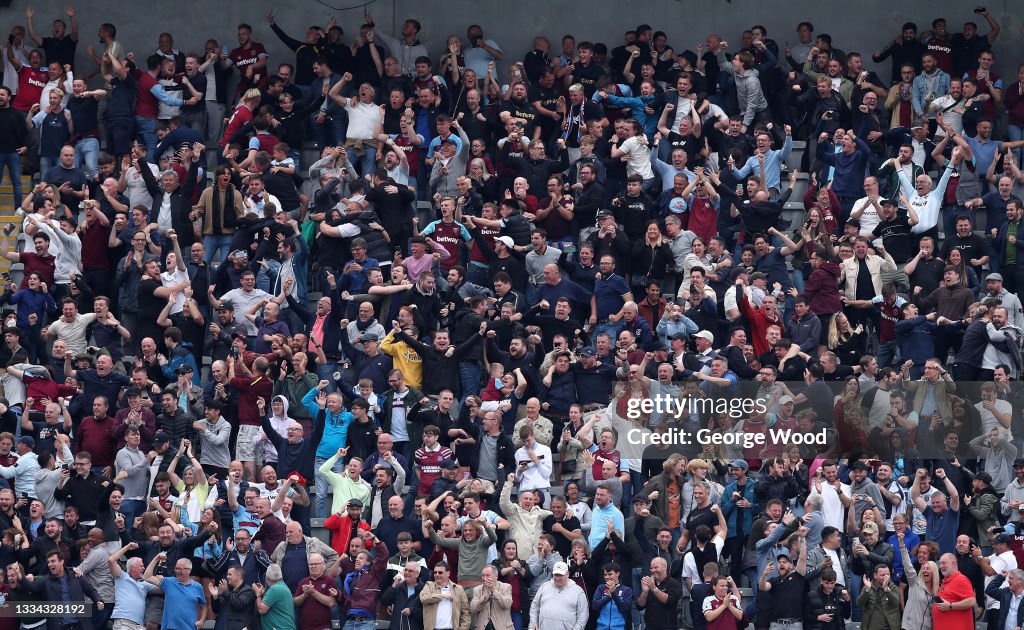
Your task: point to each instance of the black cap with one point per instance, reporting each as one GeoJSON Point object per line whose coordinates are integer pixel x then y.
{"type": "Point", "coordinates": [859, 465]}
{"type": "Point", "coordinates": [355, 503]}
{"type": "Point", "coordinates": [133, 391]}
{"type": "Point", "coordinates": [240, 335]}
{"type": "Point", "coordinates": [889, 202]}
{"type": "Point", "coordinates": [1018, 463]}
{"type": "Point", "coordinates": [185, 369]}
{"type": "Point", "coordinates": [984, 477]}
{"type": "Point", "coordinates": [854, 222]}
{"type": "Point", "coordinates": [448, 464]}
{"type": "Point", "coordinates": [1003, 539]}
{"type": "Point", "coordinates": [161, 438]}
{"type": "Point", "coordinates": [226, 305]}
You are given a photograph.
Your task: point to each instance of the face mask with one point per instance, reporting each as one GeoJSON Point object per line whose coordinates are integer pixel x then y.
{"type": "Point", "coordinates": [497, 383]}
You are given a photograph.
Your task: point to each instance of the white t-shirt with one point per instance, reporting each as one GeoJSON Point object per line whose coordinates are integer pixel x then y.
{"type": "Point", "coordinates": [988, 419]}
{"type": "Point", "coordinates": [869, 220]}
{"type": "Point", "coordinates": [362, 119]}
{"type": "Point", "coordinates": [171, 278]}
{"type": "Point", "coordinates": [831, 506]}
{"type": "Point", "coordinates": [1005, 561]}
{"type": "Point", "coordinates": [639, 157]}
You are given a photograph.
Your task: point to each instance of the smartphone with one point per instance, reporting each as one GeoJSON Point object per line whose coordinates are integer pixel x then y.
{"type": "Point", "coordinates": [234, 352]}
{"type": "Point", "coordinates": [465, 475]}
{"type": "Point", "coordinates": [998, 530]}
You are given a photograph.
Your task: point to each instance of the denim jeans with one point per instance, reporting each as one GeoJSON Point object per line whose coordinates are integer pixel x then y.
{"type": "Point", "coordinates": [13, 163]}
{"type": "Point", "coordinates": [887, 354]}
{"type": "Point", "coordinates": [213, 244]}
{"type": "Point", "coordinates": [367, 163]}
{"type": "Point", "coordinates": [145, 132]}
{"type": "Point", "coordinates": [87, 150]}
{"type": "Point", "coordinates": [131, 509]}
{"type": "Point", "coordinates": [326, 372]}
{"type": "Point", "coordinates": [321, 485]}
{"type": "Point", "coordinates": [469, 374]}
{"type": "Point", "coordinates": [45, 164]}
{"type": "Point", "coordinates": [267, 276]}
{"type": "Point", "coordinates": [478, 274]}
{"type": "Point", "coordinates": [1014, 133]}
{"type": "Point", "coordinates": [353, 624]}
{"type": "Point", "coordinates": [331, 132]}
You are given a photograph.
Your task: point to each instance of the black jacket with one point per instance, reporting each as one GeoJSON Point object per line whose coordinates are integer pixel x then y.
{"type": "Point", "coordinates": [49, 589]}
{"type": "Point", "coordinates": [400, 599]}
{"type": "Point", "coordinates": [819, 603]}
{"type": "Point", "coordinates": [236, 608]}
{"type": "Point", "coordinates": [181, 201]}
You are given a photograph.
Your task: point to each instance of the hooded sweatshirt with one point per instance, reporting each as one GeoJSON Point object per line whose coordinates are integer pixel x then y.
{"type": "Point", "coordinates": [822, 289]}
{"type": "Point", "coordinates": [280, 424]}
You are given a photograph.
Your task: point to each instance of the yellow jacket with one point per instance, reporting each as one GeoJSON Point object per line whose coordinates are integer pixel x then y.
{"type": "Point", "coordinates": [405, 359]}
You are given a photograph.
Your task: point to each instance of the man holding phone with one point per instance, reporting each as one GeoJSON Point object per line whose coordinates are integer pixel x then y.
{"type": "Point", "coordinates": [533, 465]}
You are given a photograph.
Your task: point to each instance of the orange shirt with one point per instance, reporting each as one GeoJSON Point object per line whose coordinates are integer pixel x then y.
{"type": "Point", "coordinates": [674, 501]}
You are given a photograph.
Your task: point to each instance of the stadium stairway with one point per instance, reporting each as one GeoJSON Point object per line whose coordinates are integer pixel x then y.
{"type": "Point", "coordinates": [8, 214]}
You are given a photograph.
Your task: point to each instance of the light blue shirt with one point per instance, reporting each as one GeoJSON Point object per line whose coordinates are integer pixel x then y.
{"type": "Point", "coordinates": [599, 523]}
{"type": "Point", "coordinates": [1011, 615]}
{"type": "Point", "coordinates": [773, 160]}
{"type": "Point", "coordinates": [130, 598]}
{"type": "Point", "coordinates": [24, 472]}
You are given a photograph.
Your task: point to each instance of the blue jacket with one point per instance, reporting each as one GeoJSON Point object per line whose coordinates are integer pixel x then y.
{"type": "Point", "coordinates": [335, 426]}
{"type": "Point", "coordinates": [637, 108]}
{"type": "Point", "coordinates": [849, 169]}
{"type": "Point", "coordinates": [181, 355]}
{"type": "Point", "coordinates": [915, 339]}
{"type": "Point", "coordinates": [31, 302]}
{"type": "Point", "coordinates": [731, 512]}
{"type": "Point", "coordinates": [615, 617]}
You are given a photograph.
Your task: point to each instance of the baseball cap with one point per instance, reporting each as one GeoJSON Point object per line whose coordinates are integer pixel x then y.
{"type": "Point", "coordinates": [161, 438]}
{"type": "Point", "coordinates": [226, 305]}
{"type": "Point", "coordinates": [984, 477]}
{"type": "Point", "coordinates": [782, 554]}
{"type": "Point", "coordinates": [869, 527]}
{"type": "Point", "coordinates": [449, 464]}
{"type": "Point", "coordinates": [739, 463]}
{"type": "Point", "coordinates": [785, 400]}
{"type": "Point", "coordinates": [889, 202]}
{"type": "Point", "coordinates": [605, 214]}
{"type": "Point", "coordinates": [706, 336]}
{"type": "Point", "coordinates": [560, 568]}
{"type": "Point", "coordinates": [133, 391]}
{"type": "Point", "coordinates": [185, 369]}
{"type": "Point", "coordinates": [506, 241]}
{"type": "Point", "coordinates": [588, 351]}
{"type": "Point", "coordinates": [1018, 463]}
{"type": "Point", "coordinates": [27, 441]}
{"type": "Point", "coordinates": [1003, 539]}
{"type": "Point", "coordinates": [854, 222]}
{"type": "Point", "coordinates": [859, 466]}
{"type": "Point", "coordinates": [641, 498]}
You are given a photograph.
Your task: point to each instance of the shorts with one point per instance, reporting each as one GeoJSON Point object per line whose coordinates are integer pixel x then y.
{"type": "Point", "coordinates": [127, 624]}
{"type": "Point", "coordinates": [245, 449]}
{"type": "Point", "coordinates": [155, 609]}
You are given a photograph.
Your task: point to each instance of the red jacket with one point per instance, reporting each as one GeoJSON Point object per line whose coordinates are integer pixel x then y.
{"type": "Point", "coordinates": [341, 526]}
{"type": "Point", "coordinates": [822, 289]}
{"type": "Point", "coordinates": [759, 322]}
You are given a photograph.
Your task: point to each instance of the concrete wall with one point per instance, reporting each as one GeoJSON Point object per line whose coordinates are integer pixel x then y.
{"type": "Point", "coordinates": [864, 25]}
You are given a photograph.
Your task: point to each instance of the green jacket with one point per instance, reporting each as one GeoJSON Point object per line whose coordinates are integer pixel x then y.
{"type": "Point", "coordinates": [880, 607]}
